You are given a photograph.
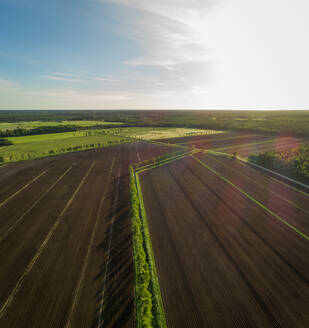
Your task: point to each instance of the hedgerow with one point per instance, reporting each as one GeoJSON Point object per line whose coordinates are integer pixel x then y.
{"type": "Point", "coordinates": [143, 297]}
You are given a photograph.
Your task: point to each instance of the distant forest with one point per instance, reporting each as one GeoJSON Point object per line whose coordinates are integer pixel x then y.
{"type": "Point", "coordinates": [283, 122]}
{"type": "Point", "coordinates": [51, 129]}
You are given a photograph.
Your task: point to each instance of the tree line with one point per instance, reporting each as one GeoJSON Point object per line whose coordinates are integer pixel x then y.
{"type": "Point", "coordinates": [51, 129]}
{"type": "Point", "coordinates": [5, 142]}
{"type": "Point", "coordinates": [293, 163]}
{"type": "Point", "coordinates": [293, 122]}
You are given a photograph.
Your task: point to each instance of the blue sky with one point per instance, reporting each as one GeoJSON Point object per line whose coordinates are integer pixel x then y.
{"type": "Point", "coordinates": [96, 54]}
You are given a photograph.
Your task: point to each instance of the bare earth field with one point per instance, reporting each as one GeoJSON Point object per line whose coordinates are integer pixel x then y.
{"type": "Point", "coordinates": [65, 239]}
{"type": "Point", "coordinates": [230, 245]}
{"type": "Point", "coordinates": [242, 143]}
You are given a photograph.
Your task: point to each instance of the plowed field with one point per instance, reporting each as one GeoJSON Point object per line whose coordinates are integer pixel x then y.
{"type": "Point", "coordinates": [65, 239]}
{"type": "Point", "coordinates": [230, 245]}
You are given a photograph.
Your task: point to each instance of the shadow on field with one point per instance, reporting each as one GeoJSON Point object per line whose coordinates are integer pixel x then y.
{"type": "Point", "coordinates": [115, 303]}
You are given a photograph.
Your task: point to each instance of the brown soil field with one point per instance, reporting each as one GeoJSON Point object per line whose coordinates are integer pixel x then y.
{"type": "Point", "coordinates": [242, 143]}
{"type": "Point", "coordinates": [217, 138]}
{"type": "Point", "coordinates": [65, 239]}
{"type": "Point", "coordinates": [223, 260]}
{"type": "Point", "coordinates": [277, 145]}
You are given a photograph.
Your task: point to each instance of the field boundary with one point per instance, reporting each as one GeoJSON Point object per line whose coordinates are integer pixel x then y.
{"type": "Point", "coordinates": [147, 289]}
{"type": "Point", "coordinates": [254, 200]}
{"type": "Point", "coordinates": [153, 309]}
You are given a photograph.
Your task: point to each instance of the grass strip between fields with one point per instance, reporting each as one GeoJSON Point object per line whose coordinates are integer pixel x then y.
{"type": "Point", "coordinates": [254, 200]}
{"type": "Point", "coordinates": [148, 300]}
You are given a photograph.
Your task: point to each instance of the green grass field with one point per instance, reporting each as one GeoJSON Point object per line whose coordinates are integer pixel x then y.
{"type": "Point", "coordinates": [50, 137]}
{"type": "Point", "coordinates": [36, 124]}
{"type": "Point", "coordinates": [46, 145]}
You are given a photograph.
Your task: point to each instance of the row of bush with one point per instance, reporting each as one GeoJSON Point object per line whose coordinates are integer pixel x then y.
{"type": "Point", "coordinates": [293, 163]}
{"type": "Point", "coordinates": [143, 296]}
{"type": "Point", "coordinates": [5, 142]}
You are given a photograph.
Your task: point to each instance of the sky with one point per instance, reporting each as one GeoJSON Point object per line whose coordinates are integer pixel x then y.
{"type": "Point", "coordinates": [163, 54]}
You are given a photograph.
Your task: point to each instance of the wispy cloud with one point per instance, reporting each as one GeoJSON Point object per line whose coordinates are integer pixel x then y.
{"type": "Point", "coordinates": [61, 74]}
{"type": "Point", "coordinates": [169, 32]}
{"type": "Point", "coordinates": [62, 78]}
{"type": "Point", "coordinates": [173, 60]}
{"type": "Point", "coordinates": [66, 77]}
{"type": "Point", "coordinates": [107, 80]}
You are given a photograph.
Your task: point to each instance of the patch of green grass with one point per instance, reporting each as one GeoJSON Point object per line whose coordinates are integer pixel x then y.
{"type": "Point", "coordinates": [49, 137]}
{"type": "Point", "coordinates": [30, 147]}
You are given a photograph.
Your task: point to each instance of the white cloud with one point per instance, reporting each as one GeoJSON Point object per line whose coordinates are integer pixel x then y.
{"type": "Point", "coordinates": [61, 78]}
{"type": "Point", "coordinates": [169, 32]}
{"type": "Point", "coordinates": [102, 79]}
{"type": "Point", "coordinates": [60, 74]}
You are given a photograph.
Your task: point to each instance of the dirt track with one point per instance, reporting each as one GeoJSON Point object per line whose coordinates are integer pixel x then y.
{"type": "Point", "coordinates": [65, 240]}
{"type": "Point", "coordinates": [226, 261]}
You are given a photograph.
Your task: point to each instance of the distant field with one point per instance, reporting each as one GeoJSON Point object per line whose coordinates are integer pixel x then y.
{"type": "Point", "coordinates": [44, 145]}
{"type": "Point", "coordinates": [28, 147]}
{"type": "Point", "coordinates": [50, 137]}
{"type": "Point", "coordinates": [242, 143]}
{"type": "Point", "coordinates": [163, 133]}
{"type": "Point", "coordinates": [36, 124]}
